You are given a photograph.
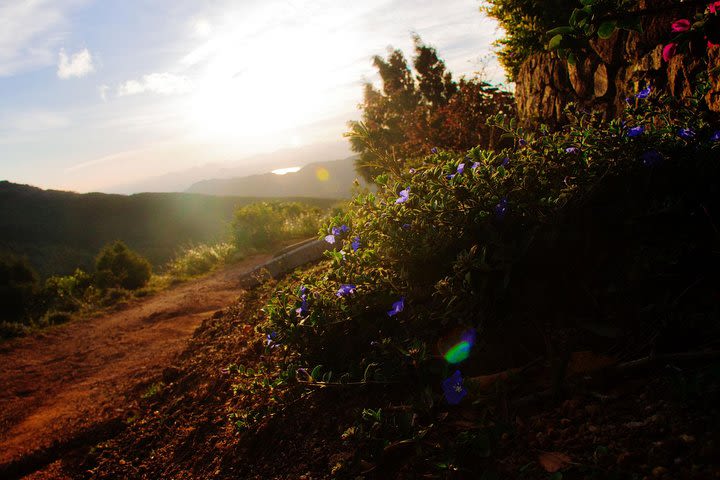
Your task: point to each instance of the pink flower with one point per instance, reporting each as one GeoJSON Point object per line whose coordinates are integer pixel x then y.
{"type": "Point", "coordinates": [714, 7]}
{"type": "Point", "coordinates": [669, 51]}
{"type": "Point", "coordinates": [712, 45]}
{"type": "Point", "coordinates": [682, 25]}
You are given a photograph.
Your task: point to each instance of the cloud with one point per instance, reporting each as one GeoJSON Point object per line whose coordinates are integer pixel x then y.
{"type": "Point", "coordinates": [162, 83]}
{"type": "Point", "coordinates": [77, 65]}
{"type": "Point", "coordinates": [102, 90]}
{"type": "Point", "coordinates": [30, 33]}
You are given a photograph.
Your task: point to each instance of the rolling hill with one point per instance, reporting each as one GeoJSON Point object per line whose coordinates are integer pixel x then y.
{"type": "Point", "coordinates": [59, 231]}
{"type": "Point", "coordinates": [316, 180]}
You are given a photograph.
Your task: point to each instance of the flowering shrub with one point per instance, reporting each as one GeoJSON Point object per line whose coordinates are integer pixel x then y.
{"type": "Point", "coordinates": [556, 233]}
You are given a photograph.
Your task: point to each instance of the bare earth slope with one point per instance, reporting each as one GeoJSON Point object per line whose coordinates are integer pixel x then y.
{"type": "Point", "coordinates": [62, 384]}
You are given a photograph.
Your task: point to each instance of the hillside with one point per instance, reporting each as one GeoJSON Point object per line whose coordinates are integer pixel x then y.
{"type": "Point", "coordinates": [59, 231]}
{"type": "Point", "coordinates": [318, 180]}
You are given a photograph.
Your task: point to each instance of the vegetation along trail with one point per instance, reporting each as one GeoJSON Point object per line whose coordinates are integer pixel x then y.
{"type": "Point", "coordinates": [72, 380]}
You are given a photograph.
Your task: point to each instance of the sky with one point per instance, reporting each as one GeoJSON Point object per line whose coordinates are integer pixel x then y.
{"type": "Point", "coordinates": [99, 94]}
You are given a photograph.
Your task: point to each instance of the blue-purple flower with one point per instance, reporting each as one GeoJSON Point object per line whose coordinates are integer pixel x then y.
{"type": "Point", "coordinates": [715, 137]}
{"type": "Point", "coordinates": [505, 162]}
{"type": "Point", "coordinates": [344, 228]}
{"type": "Point", "coordinates": [686, 133]}
{"type": "Point", "coordinates": [397, 307]}
{"type": "Point", "coordinates": [355, 244]}
{"type": "Point", "coordinates": [572, 150]}
{"type": "Point", "coordinates": [651, 158]}
{"type": "Point", "coordinates": [412, 171]}
{"type": "Point", "coordinates": [522, 142]}
{"type": "Point", "coordinates": [635, 131]}
{"type": "Point", "coordinates": [346, 289]}
{"type": "Point", "coordinates": [644, 93]}
{"type": "Point", "coordinates": [434, 150]}
{"type": "Point", "coordinates": [459, 171]}
{"type": "Point", "coordinates": [453, 388]}
{"type": "Point", "coordinates": [405, 226]}
{"type": "Point", "coordinates": [302, 310]}
{"type": "Point", "coordinates": [501, 208]}
{"type": "Point", "coordinates": [475, 165]}
{"type": "Point", "coordinates": [330, 239]}
{"type": "Point", "coordinates": [271, 340]}
{"type": "Point", "coordinates": [404, 196]}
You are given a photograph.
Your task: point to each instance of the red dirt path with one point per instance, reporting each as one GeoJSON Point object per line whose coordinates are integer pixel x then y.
{"type": "Point", "coordinates": [71, 378]}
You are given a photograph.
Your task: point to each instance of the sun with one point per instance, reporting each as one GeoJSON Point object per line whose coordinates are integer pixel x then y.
{"type": "Point", "coordinates": [268, 82]}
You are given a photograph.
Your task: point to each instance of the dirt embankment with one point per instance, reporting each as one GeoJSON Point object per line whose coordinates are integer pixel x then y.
{"type": "Point", "coordinates": [60, 386]}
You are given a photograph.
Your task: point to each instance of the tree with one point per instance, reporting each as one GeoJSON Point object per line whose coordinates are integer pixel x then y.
{"type": "Point", "coordinates": [118, 266]}
{"type": "Point", "coordinates": [415, 111]}
{"type": "Point", "coordinates": [19, 284]}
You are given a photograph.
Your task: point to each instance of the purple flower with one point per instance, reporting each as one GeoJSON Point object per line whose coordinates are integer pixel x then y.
{"type": "Point", "coordinates": [572, 150]}
{"type": "Point", "coordinates": [715, 136]}
{"type": "Point", "coordinates": [635, 131]}
{"type": "Point", "coordinates": [651, 158]}
{"type": "Point", "coordinates": [271, 340]}
{"type": "Point", "coordinates": [355, 244]}
{"type": "Point", "coordinates": [505, 162]}
{"type": "Point", "coordinates": [460, 169]}
{"type": "Point", "coordinates": [303, 290]}
{"type": "Point", "coordinates": [404, 196]}
{"type": "Point", "coordinates": [330, 239]}
{"type": "Point", "coordinates": [501, 208]}
{"type": "Point", "coordinates": [453, 388]}
{"type": "Point", "coordinates": [406, 226]}
{"type": "Point", "coordinates": [397, 307]}
{"type": "Point", "coordinates": [475, 165]}
{"type": "Point", "coordinates": [644, 93]}
{"type": "Point", "coordinates": [433, 150]}
{"type": "Point", "coordinates": [412, 171]}
{"type": "Point", "coordinates": [522, 142]}
{"type": "Point", "coordinates": [686, 133]}
{"type": "Point", "coordinates": [628, 100]}
{"type": "Point", "coordinates": [335, 231]}
{"type": "Point", "coordinates": [346, 289]}
{"type": "Point", "coordinates": [344, 228]}
{"type": "Point", "coordinates": [302, 310]}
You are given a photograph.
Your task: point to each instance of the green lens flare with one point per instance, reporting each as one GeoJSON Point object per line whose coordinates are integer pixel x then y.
{"type": "Point", "coordinates": [458, 353]}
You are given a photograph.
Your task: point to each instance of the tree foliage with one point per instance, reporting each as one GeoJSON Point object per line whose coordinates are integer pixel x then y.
{"type": "Point", "coordinates": [526, 23]}
{"type": "Point", "coordinates": [419, 109]}
{"type": "Point", "coordinates": [18, 285]}
{"type": "Point", "coordinates": [118, 266]}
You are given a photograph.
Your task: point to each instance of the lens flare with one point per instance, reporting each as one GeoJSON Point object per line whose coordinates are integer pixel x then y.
{"type": "Point", "coordinates": [458, 353]}
{"type": "Point", "coordinates": [322, 174]}
{"type": "Point", "coordinates": [461, 350]}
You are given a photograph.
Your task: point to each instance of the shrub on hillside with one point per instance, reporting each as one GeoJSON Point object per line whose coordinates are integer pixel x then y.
{"type": "Point", "coordinates": [19, 285]}
{"type": "Point", "coordinates": [118, 266]}
{"type": "Point", "coordinates": [262, 224]}
{"type": "Point", "coordinates": [199, 259]}
{"type": "Point", "coordinates": [66, 293]}
{"type": "Point", "coordinates": [569, 237]}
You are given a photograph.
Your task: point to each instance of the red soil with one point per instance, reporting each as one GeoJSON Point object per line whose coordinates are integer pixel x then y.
{"type": "Point", "coordinates": [65, 382]}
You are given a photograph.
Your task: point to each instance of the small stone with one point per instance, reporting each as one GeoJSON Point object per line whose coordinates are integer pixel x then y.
{"type": "Point", "coordinates": [659, 471]}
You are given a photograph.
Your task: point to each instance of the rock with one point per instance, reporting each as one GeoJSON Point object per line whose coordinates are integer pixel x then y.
{"type": "Point", "coordinates": [600, 80]}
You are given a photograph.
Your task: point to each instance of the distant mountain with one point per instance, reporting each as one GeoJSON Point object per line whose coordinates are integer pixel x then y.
{"type": "Point", "coordinates": [179, 181]}
{"type": "Point", "coordinates": [318, 180]}
{"type": "Point", "coordinates": [59, 231]}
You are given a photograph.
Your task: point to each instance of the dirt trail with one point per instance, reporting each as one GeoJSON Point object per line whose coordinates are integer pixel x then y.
{"type": "Point", "coordinates": [70, 379]}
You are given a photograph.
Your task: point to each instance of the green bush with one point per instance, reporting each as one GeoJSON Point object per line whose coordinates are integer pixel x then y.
{"type": "Point", "coordinates": [199, 259]}
{"type": "Point", "coordinates": [66, 293]}
{"type": "Point", "coordinates": [118, 266]}
{"type": "Point", "coordinates": [260, 225]}
{"type": "Point", "coordinates": [591, 230]}
{"type": "Point", "coordinates": [19, 284]}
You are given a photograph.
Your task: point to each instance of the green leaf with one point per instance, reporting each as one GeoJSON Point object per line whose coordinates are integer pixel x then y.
{"type": "Point", "coordinates": [572, 59]}
{"type": "Point", "coordinates": [560, 30]}
{"type": "Point", "coordinates": [555, 42]}
{"type": "Point", "coordinates": [607, 28]}
{"type": "Point", "coordinates": [315, 374]}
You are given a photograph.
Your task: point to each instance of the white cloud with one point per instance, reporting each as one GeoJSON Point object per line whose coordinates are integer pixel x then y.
{"type": "Point", "coordinates": [77, 65]}
{"type": "Point", "coordinates": [103, 89]}
{"type": "Point", "coordinates": [30, 32]}
{"type": "Point", "coordinates": [162, 83]}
